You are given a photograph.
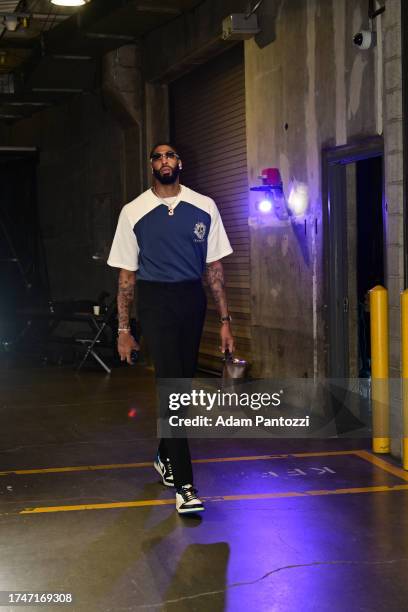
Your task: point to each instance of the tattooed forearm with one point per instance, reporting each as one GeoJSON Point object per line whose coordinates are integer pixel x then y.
{"type": "Point", "coordinates": [215, 277]}
{"type": "Point", "coordinates": [126, 292]}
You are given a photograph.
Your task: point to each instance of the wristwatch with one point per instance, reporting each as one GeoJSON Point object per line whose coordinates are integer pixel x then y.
{"type": "Point", "coordinates": [226, 319]}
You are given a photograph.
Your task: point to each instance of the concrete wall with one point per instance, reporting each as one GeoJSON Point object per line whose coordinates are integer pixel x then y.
{"type": "Point", "coordinates": [393, 172]}
{"type": "Point", "coordinates": [307, 90]}
{"type": "Point", "coordinates": [393, 127]}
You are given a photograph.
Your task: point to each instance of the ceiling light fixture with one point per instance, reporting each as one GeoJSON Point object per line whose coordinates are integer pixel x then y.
{"type": "Point", "coordinates": [70, 2]}
{"type": "Point", "coordinates": [11, 22]}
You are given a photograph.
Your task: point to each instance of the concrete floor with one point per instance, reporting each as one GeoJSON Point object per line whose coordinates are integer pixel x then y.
{"type": "Point", "coordinates": [274, 537]}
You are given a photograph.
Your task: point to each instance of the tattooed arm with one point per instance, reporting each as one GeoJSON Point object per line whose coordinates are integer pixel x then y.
{"type": "Point", "coordinates": [126, 292]}
{"type": "Point", "coordinates": [215, 277]}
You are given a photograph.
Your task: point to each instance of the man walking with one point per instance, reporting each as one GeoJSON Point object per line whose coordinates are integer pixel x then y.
{"type": "Point", "coordinates": [168, 235]}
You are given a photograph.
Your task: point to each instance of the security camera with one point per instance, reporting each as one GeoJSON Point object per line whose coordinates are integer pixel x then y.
{"type": "Point", "coordinates": [365, 39]}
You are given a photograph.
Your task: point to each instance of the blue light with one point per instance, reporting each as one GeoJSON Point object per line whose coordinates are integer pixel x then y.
{"type": "Point", "coordinates": [265, 206]}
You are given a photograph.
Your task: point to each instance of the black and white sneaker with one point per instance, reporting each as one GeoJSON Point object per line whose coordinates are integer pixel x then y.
{"type": "Point", "coordinates": [164, 469]}
{"type": "Point", "coordinates": [187, 500]}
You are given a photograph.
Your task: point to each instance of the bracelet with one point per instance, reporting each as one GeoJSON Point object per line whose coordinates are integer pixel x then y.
{"type": "Point", "coordinates": [124, 329]}
{"type": "Point", "coordinates": [226, 319]}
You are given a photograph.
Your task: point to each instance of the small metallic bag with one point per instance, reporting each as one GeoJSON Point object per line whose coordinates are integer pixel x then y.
{"type": "Point", "coordinates": [234, 368]}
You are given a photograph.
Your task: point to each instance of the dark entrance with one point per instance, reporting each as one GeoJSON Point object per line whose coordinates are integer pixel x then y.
{"type": "Point", "coordinates": [354, 251]}
{"type": "Point", "coordinates": [22, 262]}
{"type": "Point", "coordinates": [370, 250]}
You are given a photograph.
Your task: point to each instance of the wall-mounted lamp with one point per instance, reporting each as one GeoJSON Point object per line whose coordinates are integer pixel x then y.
{"type": "Point", "coordinates": [274, 198]}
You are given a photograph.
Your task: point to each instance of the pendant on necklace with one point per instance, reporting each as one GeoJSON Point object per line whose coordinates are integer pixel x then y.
{"type": "Point", "coordinates": [171, 212]}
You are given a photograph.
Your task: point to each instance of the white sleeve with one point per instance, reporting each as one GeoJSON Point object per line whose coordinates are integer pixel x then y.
{"type": "Point", "coordinates": [218, 245]}
{"type": "Point", "coordinates": [124, 250]}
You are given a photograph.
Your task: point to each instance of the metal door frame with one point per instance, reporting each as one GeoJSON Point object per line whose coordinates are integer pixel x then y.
{"type": "Point", "coordinates": [334, 161]}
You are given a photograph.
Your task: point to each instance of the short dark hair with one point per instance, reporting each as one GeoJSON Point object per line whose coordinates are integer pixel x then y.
{"type": "Point", "coordinates": [162, 144]}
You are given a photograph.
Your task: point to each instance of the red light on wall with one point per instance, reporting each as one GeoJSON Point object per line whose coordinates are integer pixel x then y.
{"type": "Point", "coordinates": [271, 177]}
{"type": "Point", "coordinates": [273, 188]}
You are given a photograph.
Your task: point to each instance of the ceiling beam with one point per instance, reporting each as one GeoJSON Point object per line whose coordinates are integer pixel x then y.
{"type": "Point", "coordinates": [65, 90]}
{"type": "Point", "coordinates": [76, 58]}
{"type": "Point", "coordinates": [162, 9]}
{"type": "Point", "coordinates": [30, 98]}
{"type": "Point", "coordinates": [35, 104]}
{"type": "Point", "coordinates": [196, 33]}
{"type": "Point", "coordinates": [18, 149]}
{"type": "Point", "coordinates": [101, 36]}
{"type": "Point", "coordinates": [49, 17]}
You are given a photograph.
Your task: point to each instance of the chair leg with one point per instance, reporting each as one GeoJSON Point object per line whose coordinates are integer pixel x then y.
{"type": "Point", "coordinates": [84, 358]}
{"type": "Point", "coordinates": [90, 351]}
{"type": "Point", "coordinates": [102, 363]}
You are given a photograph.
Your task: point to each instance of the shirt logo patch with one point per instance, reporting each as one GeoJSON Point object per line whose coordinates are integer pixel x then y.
{"type": "Point", "coordinates": [199, 229]}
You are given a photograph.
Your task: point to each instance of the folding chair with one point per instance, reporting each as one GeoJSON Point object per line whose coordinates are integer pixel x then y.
{"type": "Point", "coordinates": [91, 343]}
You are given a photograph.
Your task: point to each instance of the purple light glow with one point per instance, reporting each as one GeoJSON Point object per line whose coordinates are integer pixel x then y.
{"type": "Point", "coordinates": [265, 206]}
{"type": "Point", "coordinates": [298, 198]}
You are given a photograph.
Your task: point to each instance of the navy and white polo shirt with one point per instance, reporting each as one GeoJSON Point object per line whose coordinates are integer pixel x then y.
{"type": "Point", "coordinates": [169, 248]}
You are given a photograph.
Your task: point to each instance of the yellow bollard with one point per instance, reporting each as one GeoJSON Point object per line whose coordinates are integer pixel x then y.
{"type": "Point", "coordinates": [404, 358]}
{"type": "Point", "coordinates": [379, 369]}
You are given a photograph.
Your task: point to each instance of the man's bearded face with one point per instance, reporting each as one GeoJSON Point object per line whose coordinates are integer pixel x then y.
{"type": "Point", "coordinates": [166, 169]}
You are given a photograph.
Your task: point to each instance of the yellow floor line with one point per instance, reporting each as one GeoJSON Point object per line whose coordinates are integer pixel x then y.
{"type": "Point", "coordinates": [80, 468]}
{"type": "Point", "coordinates": [116, 466]}
{"type": "Point", "coordinates": [250, 458]}
{"type": "Point", "coordinates": [257, 496]}
{"type": "Point", "coordinates": [382, 464]}
{"type": "Point", "coordinates": [325, 453]}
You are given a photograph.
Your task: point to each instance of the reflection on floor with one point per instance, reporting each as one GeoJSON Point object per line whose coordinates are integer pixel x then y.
{"type": "Point", "coordinates": [290, 525]}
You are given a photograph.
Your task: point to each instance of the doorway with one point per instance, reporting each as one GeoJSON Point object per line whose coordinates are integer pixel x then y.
{"type": "Point", "coordinates": [370, 252]}
{"type": "Point", "coordinates": [353, 207]}
{"type": "Point", "coordinates": [22, 261]}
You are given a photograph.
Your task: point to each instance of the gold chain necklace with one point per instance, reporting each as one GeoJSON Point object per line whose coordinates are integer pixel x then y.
{"type": "Point", "coordinates": [170, 205]}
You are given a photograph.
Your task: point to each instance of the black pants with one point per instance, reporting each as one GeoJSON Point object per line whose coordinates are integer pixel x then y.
{"type": "Point", "coordinates": [172, 317]}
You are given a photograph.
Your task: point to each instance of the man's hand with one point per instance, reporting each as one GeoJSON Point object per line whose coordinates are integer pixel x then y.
{"type": "Point", "coordinates": [126, 344]}
{"type": "Point", "coordinates": [227, 339]}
